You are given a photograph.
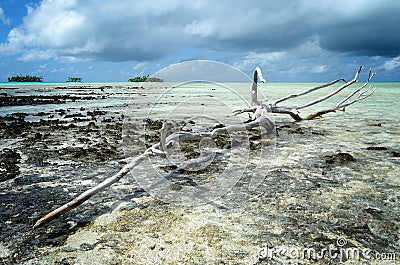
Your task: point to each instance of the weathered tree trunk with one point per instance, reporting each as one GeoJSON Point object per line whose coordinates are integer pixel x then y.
{"type": "Point", "coordinates": [259, 119]}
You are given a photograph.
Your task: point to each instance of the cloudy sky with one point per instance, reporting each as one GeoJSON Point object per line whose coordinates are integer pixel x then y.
{"type": "Point", "coordinates": [102, 40]}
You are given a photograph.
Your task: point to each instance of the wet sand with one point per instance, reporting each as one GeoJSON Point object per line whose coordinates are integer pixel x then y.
{"type": "Point", "coordinates": [328, 180]}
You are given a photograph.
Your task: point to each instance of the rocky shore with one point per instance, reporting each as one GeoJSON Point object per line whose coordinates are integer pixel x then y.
{"type": "Point", "coordinates": [321, 186]}
{"type": "Point", "coordinates": [47, 157]}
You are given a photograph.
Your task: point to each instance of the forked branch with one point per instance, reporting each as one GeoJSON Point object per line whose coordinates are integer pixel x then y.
{"type": "Point", "coordinates": [307, 91]}
{"type": "Point", "coordinates": [293, 111]}
{"type": "Point", "coordinates": [259, 119]}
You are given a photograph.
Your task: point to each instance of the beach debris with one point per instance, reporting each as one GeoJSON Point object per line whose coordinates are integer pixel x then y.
{"type": "Point", "coordinates": [259, 118]}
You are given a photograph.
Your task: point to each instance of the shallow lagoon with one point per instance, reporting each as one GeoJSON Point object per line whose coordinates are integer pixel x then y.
{"type": "Point", "coordinates": [309, 197]}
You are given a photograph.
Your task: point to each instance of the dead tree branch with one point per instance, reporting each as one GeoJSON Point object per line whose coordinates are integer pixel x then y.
{"type": "Point", "coordinates": [259, 119]}
{"type": "Point", "coordinates": [349, 100]}
{"type": "Point", "coordinates": [294, 112]}
{"type": "Point", "coordinates": [89, 193]}
{"type": "Point", "coordinates": [332, 93]}
{"type": "Point", "coordinates": [254, 89]}
{"type": "Point", "coordinates": [307, 91]}
{"type": "Point", "coordinates": [162, 148]}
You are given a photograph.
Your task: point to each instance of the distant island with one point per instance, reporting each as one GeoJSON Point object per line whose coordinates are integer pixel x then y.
{"type": "Point", "coordinates": [74, 79]}
{"type": "Point", "coordinates": [30, 78]}
{"type": "Point", "coordinates": [145, 78]}
{"type": "Point", "coordinates": [26, 78]}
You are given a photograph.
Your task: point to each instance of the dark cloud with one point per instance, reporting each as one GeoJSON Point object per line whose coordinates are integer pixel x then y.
{"type": "Point", "coordinates": [371, 31]}
{"type": "Point", "coordinates": [356, 27]}
{"type": "Point", "coordinates": [146, 30]}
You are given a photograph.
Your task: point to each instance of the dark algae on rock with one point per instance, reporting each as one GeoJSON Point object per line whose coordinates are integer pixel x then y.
{"type": "Point", "coordinates": [44, 158]}
{"type": "Point", "coordinates": [339, 158]}
{"type": "Point", "coordinates": [9, 160]}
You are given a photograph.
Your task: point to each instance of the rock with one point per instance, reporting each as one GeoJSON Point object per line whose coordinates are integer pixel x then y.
{"type": "Point", "coordinates": [339, 158]}
{"type": "Point", "coordinates": [96, 113]}
{"type": "Point", "coordinates": [38, 136]}
{"type": "Point", "coordinates": [8, 164]}
{"type": "Point", "coordinates": [298, 130]}
{"type": "Point", "coordinates": [16, 128]}
{"type": "Point", "coordinates": [217, 126]}
{"type": "Point", "coordinates": [377, 148]}
{"type": "Point", "coordinates": [153, 125]}
{"type": "Point", "coordinates": [395, 154]}
{"type": "Point", "coordinates": [377, 213]}
{"type": "Point", "coordinates": [383, 148]}
{"type": "Point", "coordinates": [38, 157]}
{"type": "Point", "coordinates": [74, 115]}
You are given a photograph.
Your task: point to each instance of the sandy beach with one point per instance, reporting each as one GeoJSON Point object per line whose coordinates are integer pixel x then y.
{"type": "Point", "coordinates": [332, 181]}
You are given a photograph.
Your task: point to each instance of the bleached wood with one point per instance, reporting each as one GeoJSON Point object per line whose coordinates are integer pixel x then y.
{"type": "Point", "coordinates": [156, 149]}
{"type": "Point", "coordinates": [89, 193]}
{"type": "Point", "coordinates": [307, 91]}
{"type": "Point", "coordinates": [332, 93]}
{"type": "Point", "coordinates": [254, 88]}
{"type": "Point", "coordinates": [259, 119]}
{"type": "Point", "coordinates": [294, 112]}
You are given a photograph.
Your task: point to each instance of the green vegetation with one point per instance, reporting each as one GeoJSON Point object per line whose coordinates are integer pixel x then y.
{"type": "Point", "coordinates": [154, 79]}
{"type": "Point", "coordinates": [74, 79]}
{"type": "Point", "coordinates": [26, 78]}
{"type": "Point", "coordinates": [145, 78]}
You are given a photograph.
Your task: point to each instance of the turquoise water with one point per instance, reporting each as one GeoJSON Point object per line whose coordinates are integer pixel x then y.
{"type": "Point", "coordinates": [38, 84]}
{"type": "Point", "coordinates": [383, 104]}
{"type": "Point", "coordinates": [380, 108]}
{"type": "Point", "coordinates": [303, 200]}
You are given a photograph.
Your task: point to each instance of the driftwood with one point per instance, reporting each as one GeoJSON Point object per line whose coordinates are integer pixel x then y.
{"type": "Point", "coordinates": [358, 94]}
{"type": "Point", "coordinates": [259, 119]}
{"type": "Point", "coordinates": [166, 144]}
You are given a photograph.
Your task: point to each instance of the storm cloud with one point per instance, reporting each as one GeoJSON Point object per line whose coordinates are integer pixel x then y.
{"type": "Point", "coordinates": [289, 38]}
{"type": "Point", "coordinates": [145, 30]}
